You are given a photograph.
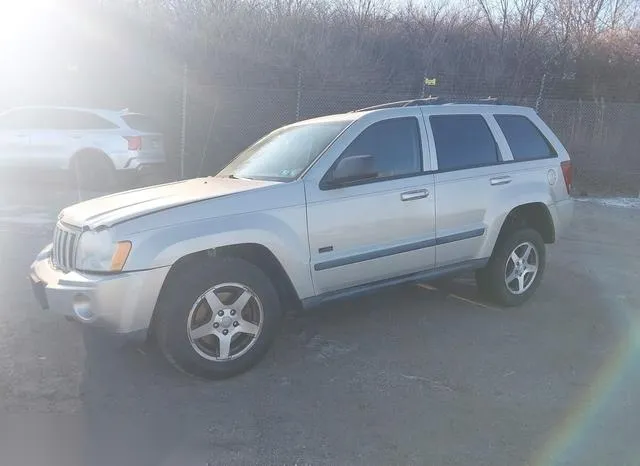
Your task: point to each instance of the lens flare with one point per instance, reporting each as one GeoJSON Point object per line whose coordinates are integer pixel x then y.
{"type": "Point", "coordinates": [569, 438]}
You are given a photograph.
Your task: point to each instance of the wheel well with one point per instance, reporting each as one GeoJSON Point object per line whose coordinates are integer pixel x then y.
{"type": "Point", "coordinates": [89, 152]}
{"type": "Point", "coordinates": [263, 258]}
{"type": "Point", "coordinates": [256, 254]}
{"type": "Point", "coordinates": [535, 215]}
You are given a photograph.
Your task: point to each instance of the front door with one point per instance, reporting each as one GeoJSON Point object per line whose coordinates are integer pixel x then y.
{"type": "Point", "coordinates": [379, 228]}
{"type": "Point", "coordinates": [14, 139]}
{"type": "Point", "coordinates": [56, 139]}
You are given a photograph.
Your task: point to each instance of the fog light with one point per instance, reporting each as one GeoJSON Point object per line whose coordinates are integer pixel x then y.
{"type": "Point", "coordinates": [82, 307]}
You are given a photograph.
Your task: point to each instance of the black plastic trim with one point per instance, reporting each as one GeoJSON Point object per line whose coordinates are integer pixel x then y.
{"type": "Point", "coordinates": [374, 254]}
{"type": "Point", "coordinates": [361, 290]}
{"type": "Point", "coordinates": [460, 236]}
{"type": "Point", "coordinates": [330, 264]}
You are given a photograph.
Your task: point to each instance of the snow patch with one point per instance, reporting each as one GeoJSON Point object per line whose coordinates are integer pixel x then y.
{"type": "Point", "coordinates": [623, 202]}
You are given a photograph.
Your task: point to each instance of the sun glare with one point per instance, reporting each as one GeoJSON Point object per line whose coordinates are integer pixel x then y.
{"type": "Point", "coordinates": [17, 16]}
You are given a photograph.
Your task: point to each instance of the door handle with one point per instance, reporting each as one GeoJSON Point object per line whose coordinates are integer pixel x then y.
{"type": "Point", "coordinates": [498, 180]}
{"type": "Point", "coordinates": [413, 195]}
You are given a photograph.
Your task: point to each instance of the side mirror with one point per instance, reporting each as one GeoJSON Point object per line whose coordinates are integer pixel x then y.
{"type": "Point", "coordinates": [352, 168]}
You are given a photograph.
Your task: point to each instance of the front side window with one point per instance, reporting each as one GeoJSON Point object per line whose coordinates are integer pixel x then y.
{"type": "Point", "coordinates": [20, 120]}
{"type": "Point", "coordinates": [463, 141]}
{"type": "Point", "coordinates": [285, 153]}
{"type": "Point", "coordinates": [525, 139]}
{"type": "Point", "coordinates": [53, 119]}
{"type": "Point", "coordinates": [394, 145]}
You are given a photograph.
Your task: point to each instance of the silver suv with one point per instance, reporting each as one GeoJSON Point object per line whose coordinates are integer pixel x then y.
{"type": "Point", "coordinates": [316, 211]}
{"type": "Point", "coordinates": [93, 145]}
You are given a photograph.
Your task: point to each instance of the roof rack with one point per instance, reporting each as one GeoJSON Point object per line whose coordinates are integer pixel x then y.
{"type": "Point", "coordinates": [433, 100]}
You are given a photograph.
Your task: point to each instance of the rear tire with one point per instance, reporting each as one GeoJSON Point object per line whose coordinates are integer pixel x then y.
{"type": "Point", "coordinates": [515, 269]}
{"type": "Point", "coordinates": [217, 318]}
{"type": "Point", "coordinates": [93, 172]}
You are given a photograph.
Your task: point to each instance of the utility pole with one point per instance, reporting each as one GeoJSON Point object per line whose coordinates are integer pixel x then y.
{"type": "Point", "coordinates": [299, 94]}
{"type": "Point", "coordinates": [541, 92]}
{"type": "Point", "coordinates": [183, 131]}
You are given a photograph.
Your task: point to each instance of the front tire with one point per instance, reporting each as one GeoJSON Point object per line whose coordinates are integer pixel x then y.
{"type": "Point", "coordinates": [217, 318]}
{"type": "Point", "coordinates": [515, 269]}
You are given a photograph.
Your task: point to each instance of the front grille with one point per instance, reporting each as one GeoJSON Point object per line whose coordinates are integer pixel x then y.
{"type": "Point", "coordinates": [65, 241]}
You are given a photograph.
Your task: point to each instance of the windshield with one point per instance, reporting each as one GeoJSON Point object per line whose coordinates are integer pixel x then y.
{"type": "Point", "coordinates": [285, 153]}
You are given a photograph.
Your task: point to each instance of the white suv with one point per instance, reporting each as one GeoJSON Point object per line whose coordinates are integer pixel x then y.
{"type": "Point", "coordinates": [319, 210]}
{"type": "Point", "coordinates": [92, 144]}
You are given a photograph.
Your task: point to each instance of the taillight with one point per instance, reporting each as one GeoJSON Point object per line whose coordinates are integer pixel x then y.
{"type": "Point", "coordinates": [135, 142]}
{"type": "Point", "coordinates": [567, 172]}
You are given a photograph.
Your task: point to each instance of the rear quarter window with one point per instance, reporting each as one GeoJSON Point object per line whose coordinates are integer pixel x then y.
{"type": "Point", "coordinates": [524, 138]}
{"type": "Point", "coordinates": [141, 123]}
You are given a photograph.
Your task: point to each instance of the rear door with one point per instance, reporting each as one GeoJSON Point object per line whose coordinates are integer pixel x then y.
{"type": "Point", "coordinates": [470, 177]}
{"type": "Point", "coordinates": [65, 131]}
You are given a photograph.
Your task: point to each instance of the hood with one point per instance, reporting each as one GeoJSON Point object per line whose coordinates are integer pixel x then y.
{"type": "Point", "coordinates": [120, 207]}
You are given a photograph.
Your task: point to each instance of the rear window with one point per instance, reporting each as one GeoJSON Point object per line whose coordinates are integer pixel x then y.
{"type": "Point", "coordinates": [141, 123]}
{"type": "Point", "coordinates": [463, 141]}
{"type": "Point", "coordinates": [525, 139]}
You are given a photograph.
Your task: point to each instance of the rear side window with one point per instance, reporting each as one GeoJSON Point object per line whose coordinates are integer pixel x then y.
{"type": "Point", "coordinates": [77, 120]}
{"type": "Point", "coordinates": [141, 123]}
{"type": "Point", "coordinates": [394, 145]}
{"type": "Point", "coordinates": [525, 139]}
{"type": "Point", "coordinates": [463, 141]}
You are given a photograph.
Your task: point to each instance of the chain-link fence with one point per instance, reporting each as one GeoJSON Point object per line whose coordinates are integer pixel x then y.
{"type": "Point", "coordinates": [221, 120]}
{"type": "Point", "coordinates": [603, 140]}
{"type": "Point", "coordinates": [602, 137]}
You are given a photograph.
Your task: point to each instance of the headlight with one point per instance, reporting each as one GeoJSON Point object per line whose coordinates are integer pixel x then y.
{"type": "Point", "coordinates": [99, 252]}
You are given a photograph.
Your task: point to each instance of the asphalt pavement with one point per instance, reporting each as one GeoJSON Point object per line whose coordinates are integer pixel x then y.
{"type": "Point", "coordinates": [424, 375]}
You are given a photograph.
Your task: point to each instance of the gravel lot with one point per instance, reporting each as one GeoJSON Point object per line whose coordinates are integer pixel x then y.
{"type": "Point", "coordinates": [416, 375]}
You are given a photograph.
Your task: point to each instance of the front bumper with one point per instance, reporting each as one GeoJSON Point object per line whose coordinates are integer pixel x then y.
{"type": "Point", "coordinates": [120, 303]}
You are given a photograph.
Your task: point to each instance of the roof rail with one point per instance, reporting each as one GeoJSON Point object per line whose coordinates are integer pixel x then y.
{"type": "Point", "coordinates": [404, 103]}
{"type": "Point", "coordinates": [433, 100]}
{"type": "Point", "coordinates": [483, 100]}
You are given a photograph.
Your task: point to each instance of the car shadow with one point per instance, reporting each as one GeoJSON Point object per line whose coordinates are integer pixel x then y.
{"type": "Point", "coordinates": [332, 370]}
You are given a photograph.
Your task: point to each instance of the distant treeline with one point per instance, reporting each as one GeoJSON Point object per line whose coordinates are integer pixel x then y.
{"type": "Point", "coordinates": [591, 45]}
{"type": "Point", "coordinates": [587, 48]}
